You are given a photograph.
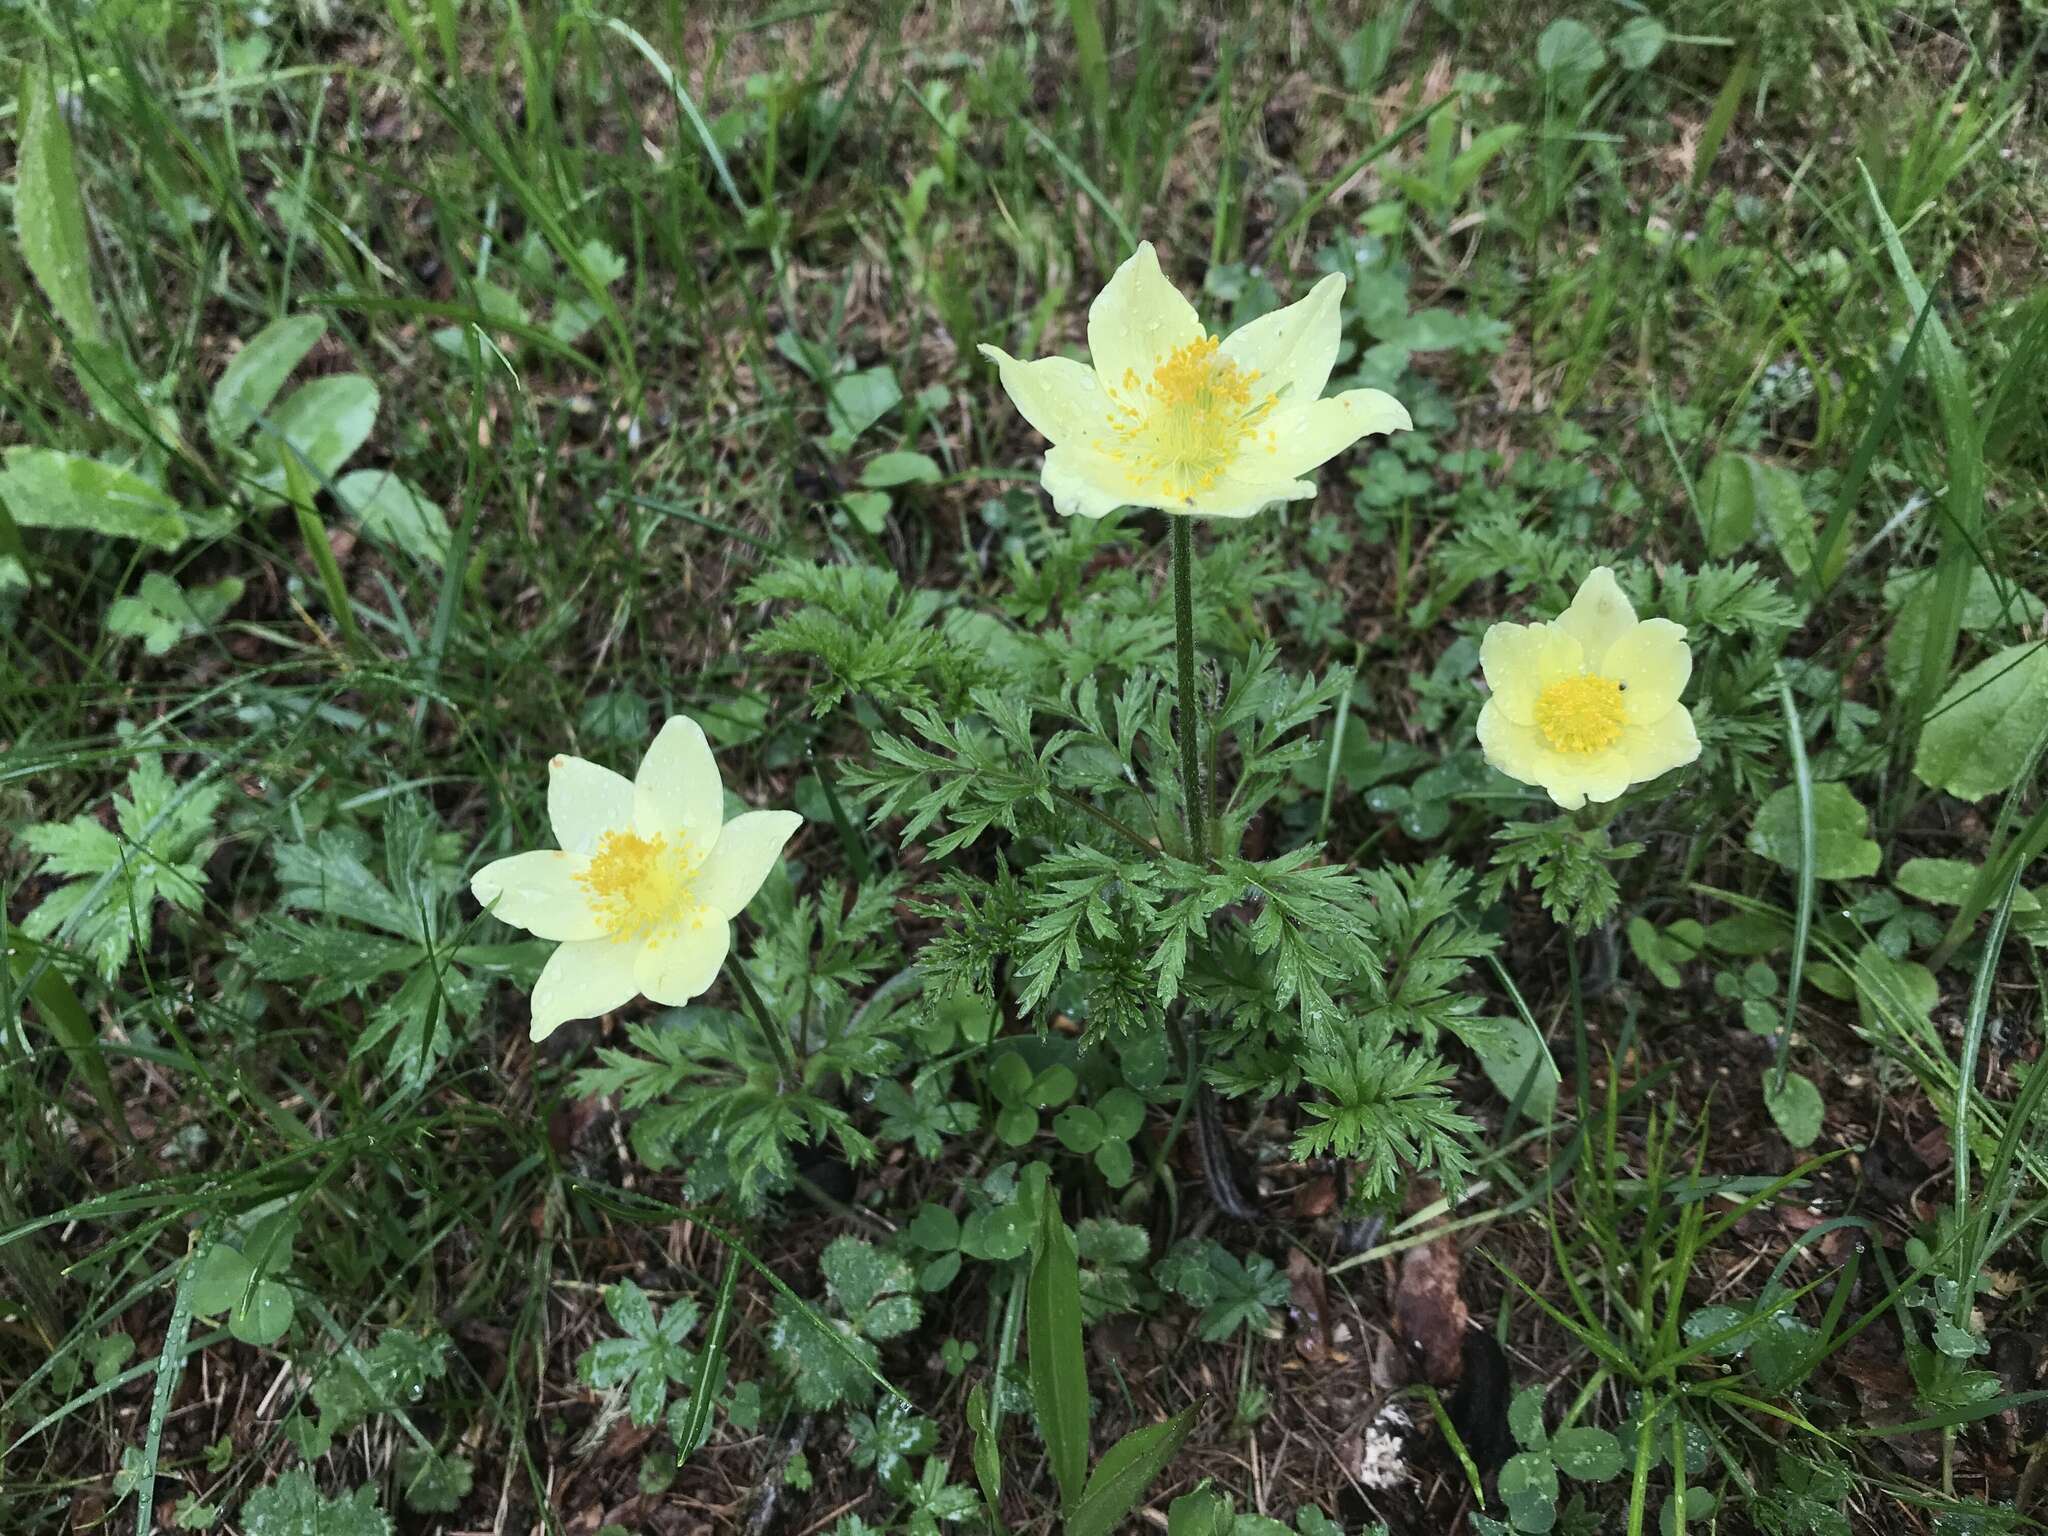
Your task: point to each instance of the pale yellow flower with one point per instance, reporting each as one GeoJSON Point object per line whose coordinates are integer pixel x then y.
{"type": "Point", "coordinates": [1171, 417]}
{"type": "Point", "coordinates": [1587, 704]}
{"type": "Point", "coordinates": [643, 890]}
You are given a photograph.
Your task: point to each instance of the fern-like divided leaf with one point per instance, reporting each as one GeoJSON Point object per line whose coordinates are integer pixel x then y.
{"type": "Point", "coordinates": [1388, 1110]}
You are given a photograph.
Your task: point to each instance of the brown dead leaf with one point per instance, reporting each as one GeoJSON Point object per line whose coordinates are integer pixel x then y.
{"type": "Point", "coordinates": [1309, 1300]}
{"type": "Point", "coordinates": [1430, 1315]}
{"type": "Point", "coordinates": [1315, 1198]}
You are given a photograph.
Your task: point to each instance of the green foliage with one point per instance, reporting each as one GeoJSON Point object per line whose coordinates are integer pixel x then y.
{"type": "Point", "coordinates": [156, 851]}
{"type": "Point", "coordinates": [648, 1357]}
{"type": "Point", "coordinates": [385, 909]}
{"type": "Point", "coordinates": [293, 1506]}
{"type": "Point", "coordinates": [1234, 1294]}
{"type": "Point", "coordinates": [161, 613]}
{"type": "Point", "coordinates": [1567, 865]}
{"type": "Point", "coordinates": [871, 1299]}
{"type": "Point", "coordinates": [350, 1386]}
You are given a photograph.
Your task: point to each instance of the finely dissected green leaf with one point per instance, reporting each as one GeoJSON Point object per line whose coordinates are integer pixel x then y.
{"type": "Point", "coordinates": [45, 488]}
{"type": "Point", "coordinates": [49, 214]}
{"type": "Point", "coordinates": [1059, 1369]}
{"type": "Point", "coordinates": [396, 512]}
{"type": "Point", "coordinates": [1976, 739]}
{"type": "Point", "coordinates": [1842, 850]}
{"type": "Point", "coordinates": [1125, 1472]}
{"type": "Point", "coordinates": [317, 428]}
{"type": "Point", "coordinates": [255, 374]}
{"type": "Point", "coordinates": [1796, 1106]}
{"type": "Point", "coordinates": [293, 1506]}
{"type": "Point", "coordinates": [158, 855]}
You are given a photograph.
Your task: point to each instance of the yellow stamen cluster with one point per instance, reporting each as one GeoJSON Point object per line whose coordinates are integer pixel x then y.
{"type": "Point", "coordinates": [638, 885]}
{"type": "Point", "coordinates": [1581, 714]}
{"type": "Point", "coordinates": [1184, 426]}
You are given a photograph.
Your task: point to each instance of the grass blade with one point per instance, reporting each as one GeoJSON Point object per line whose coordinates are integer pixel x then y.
{"type": "Point", "coordinates": [1059, 1375]}
{"type": "Point", "coordinates": [710, 1375]}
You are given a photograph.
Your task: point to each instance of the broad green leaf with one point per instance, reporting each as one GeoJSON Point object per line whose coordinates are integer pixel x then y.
{"type": "Point", "coordinates": [1528, 1486]}
{"type": "Point", "coordinates": [1079, 1128]}
{"type": "Point", "coordinates": [1125, 1472]}
{"type": "Point", "coordinates": [49, 214]}
{"type": "Point", "coordinates": [1841, 850]}
{"type": "Point", "coordinates": [46, 488]}
{"type": "Point", "coordinates": [321, 424]}
{"type": "Point", "coordinates": [1059, 1374]}
{"type": "Point", "coordinates": [1727, 505]}
{"type": "Point", "coordinates": [1588, 1454]}
{"type": "Point", "coordinates": [1509, 1053]}
{"type": "Point", "coordinates": [1949, 882]}
{"type": "Point", "coordinates": [1796, 1107]}
{"type": "Point", "coordinates": [1938, 882]}
{"type": "Point", "coordinates": [892, 469]}
{"type": "Point", "coordinates": [1569, 48]}
{"type": "Point", "coordinates": [1639, 42]}
{"type": "Point", "coordinates": [223, 1275]}
{"type": "Point", "coordinates": [1989, 608]}
{"type": "Point", "coordinates": [1976, 739]}
{"type": "Point", "coordinates": [261, 1316]}
{"type": "Point", "coordinates": [255, 374]}
{"type": "Point", "coordinates": [1525, 1419]}
{"type": "Point", "coordinates": [396, 512]}
{"type": "Point", "coordinates": [1738, 491]}
{"type": "Point", "coordinates": [856, 401]}
{"type": "Point", "coordinates": [869, 508]}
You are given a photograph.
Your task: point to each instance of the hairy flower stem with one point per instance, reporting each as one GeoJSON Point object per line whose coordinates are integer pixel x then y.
{"type": "Point", "coordinates": [773, 1033]}
{"type": "Point", "coordinates": [1192, 798]}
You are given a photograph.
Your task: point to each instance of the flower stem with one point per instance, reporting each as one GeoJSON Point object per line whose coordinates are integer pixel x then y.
{"type": "Point", "coordinates": [1184, 649]}
{"type": "Point", "coordinates": [773, 1033]}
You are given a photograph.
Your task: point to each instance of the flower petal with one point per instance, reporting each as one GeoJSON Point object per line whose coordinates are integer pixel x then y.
{"type": "Point", "coordinates": [1082, 483]}
{"type": "Point", "coordinates": [1599, 615]}
{"type": "Point", "coordinates": [1569, 778]}
{"type": "Point", "coordinates": [1293, 349]}
{"type": "Point", "coordinates": [680, 963]}
{"type": "Point", "coordinates": [747, 850]}
{"type": "Point", "coordinates": [581, 981]}
{"type": "Point", "coordinates": [1520, 661]}
{"type": "Point", "coordinates": [1652, 663]}
{"type": "Point", "coordinates": [677, 793]}
{"type": "Point", "coordinates": [1312, 434]}
{"type": "Point", "coordinates": [585, 802]}
{"type": "Point", "coordinates": [1059, 397]}
{"type": "Point", "coordinates": [1655, 749]}
{"type": "Point", "coordinates": [1137, 319]}
{"type": "Point", "coordinates": [1234, 498]}
{"type": "Point", "coordinates": [1519, 751]}
{"type": "Point", "coordinates": [540, 893]}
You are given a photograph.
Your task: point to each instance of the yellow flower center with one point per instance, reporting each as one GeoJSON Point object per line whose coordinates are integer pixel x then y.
{"type": "Point", "coordinates": [1179, 431]}
{"type": "Point", "coordinates": [639, 885]}
{"type": "Point", "coordinates": [1581, 714]}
